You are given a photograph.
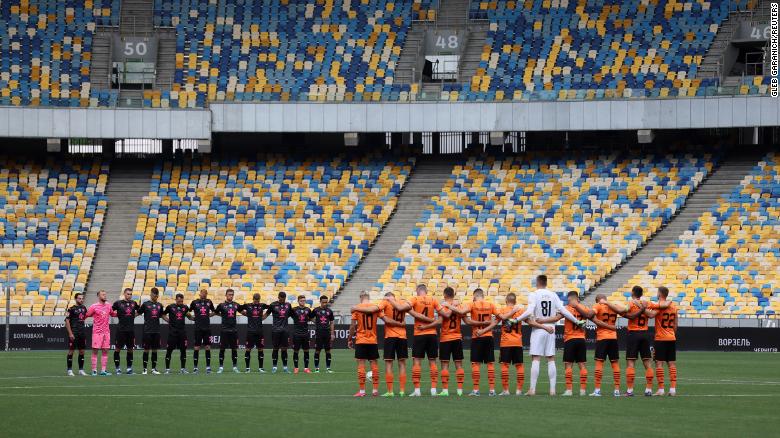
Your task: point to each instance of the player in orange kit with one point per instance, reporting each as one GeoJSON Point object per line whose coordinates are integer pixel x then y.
{"type": "Point", "coordinates": [605, 316]}
{"type": "Point", "coordinates": [362, 337]}
{"type": "Point", "coordinates": [665, 344]}
{"type": "Point", "coordinates": [637, 342]}
{"type": "Point", "coordinates": [450, 342]}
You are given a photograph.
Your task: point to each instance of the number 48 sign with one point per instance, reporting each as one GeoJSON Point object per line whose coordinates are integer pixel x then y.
{"type": "Point", "coordinates": [444, 42]}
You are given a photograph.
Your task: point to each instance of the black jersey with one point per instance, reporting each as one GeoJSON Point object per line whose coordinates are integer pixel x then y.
{"type": "Point", "coordinates": [280, 312]}
{"type": "Point", "coordinates": [151, 312]}
{"type": "Point", "coordinates": [125, 311]}
{"type": "Point", "coordinates": [323, 317]}
{"type": "Point", "coordinates": [254, 316]}
{"type": "Point", "coordinates": [301, 317]}
{"type": "Point", "coordinates": [76, 315]}
{"type": "Point", "coordinates": [229, 312]}
{"type": "Point", "coordinates": [176, 316]}
{"type": "Point", "coordinates": [201, 310]}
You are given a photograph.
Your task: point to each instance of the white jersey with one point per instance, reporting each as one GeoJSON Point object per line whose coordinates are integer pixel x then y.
{"type": "Point", "coordinates": [544, 303]}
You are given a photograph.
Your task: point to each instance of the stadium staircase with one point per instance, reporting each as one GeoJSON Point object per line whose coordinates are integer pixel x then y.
{"type": "Point", "coordinates": [720, 183]}
{"type": "Point", "coordinates": [136, 18]}
{"type": "Point", "coordinates": [166, 58]}
{"type": "Point", "coordinates": [128, 183]}
{"type": "Point", "coordinates": [426, 181]}
{"type": "Point", "coordinates": [100, 66]}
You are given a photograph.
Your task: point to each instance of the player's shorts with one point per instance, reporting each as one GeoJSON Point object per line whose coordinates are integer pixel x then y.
{"type": "Point", "coordinates": [301, 342]}
{"type": "Point", "coordinates": [637, 344]}
{"type": "Point", "coordinates": [79, 342]}
{"type": "Point", "coordinates": [228, 340]}
{"type": "Point", "coordinates": [482, 350]}
{"type": "Point", "coordinates": [254, 340]}
{"type": "Point", "coordinates": [607, 348]}
{"type": "Point", "coordinates": [425, 345]}
{"type": "Point", "coordinates": [366, 351]}
{"type": "Point", "coordinates": [101, 340]}
{"type": "Point", "coordinates": [125, 340]}
{"type": "Point", "coordinates": [280, 339]}
{"type": "Point", "coordinates": [322, 340]}
{"type": "Point", "coordinates": [511, 355]}
{"type": "Point", "coordinates": [151, 341]}
{"type": "Point", "coordinates": [665, 351]}
{"type": "Point", "coordinates": [177, 340]}
{"type": "Point", "coordinates": [396, 348]}
{"type": "Point", "coordinates": [202, 337]}
{"type": "Point", "coordinates": [575, 351]}
{"type": "Point", "coordinates": [542, 343]}
{"type": "Point", "coordinates": [451, 349]}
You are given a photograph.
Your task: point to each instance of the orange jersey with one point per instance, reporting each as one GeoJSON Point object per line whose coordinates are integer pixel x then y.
{"type": "Point", "coordinates": [450, 328]}
{"type": "Point", "coordinates": [387, 310]}
{"type": "Point", "coordinates": [481, 311]}
{"type": "Point", "coordinates": [426, 306]}
{"type": "Point", "coordinates": [511, 336]}
{"type": "Point", "coordinates": [608, 316]}
{"type": "Point", "coordinates": [571, 330]}
{"type": "Point", "coordinates": [640, 322]}
{"type": "Point", "coordinates": [365, 326]}
{"type": "Point", "coordinates": [665, 322]}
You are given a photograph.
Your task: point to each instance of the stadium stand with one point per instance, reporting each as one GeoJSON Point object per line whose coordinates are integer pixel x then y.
{"type": "Point", "coordinates": [557, 50]}
{"type": "Point", "coordinates": [45, 51]}
{"type": "Point", "coordinates": [499, 222]}
{"type": "Point", "coordinates": [50, 221]}
{"type": "Point", "coordinates": [262, 225]}
{"type": "Point", "coordinates": [727, 265]}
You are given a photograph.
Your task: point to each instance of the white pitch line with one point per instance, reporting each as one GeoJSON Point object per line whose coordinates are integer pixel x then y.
{"type": "Point", "coordinates": [122, 385]}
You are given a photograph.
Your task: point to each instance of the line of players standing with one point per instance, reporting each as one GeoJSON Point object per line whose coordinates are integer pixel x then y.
{"type": "Point", "coordinates": [200, 311]}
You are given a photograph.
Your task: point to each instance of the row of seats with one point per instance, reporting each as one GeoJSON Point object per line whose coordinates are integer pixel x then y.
{"type": "Point", "coordinates": [261, 225]}
{"type": "Point", "coordinates": [51, 215]}
{"type": "Point", "coordinates": [727, 264]}
{"type": "Point", "coordinates": [46, 51]}
{"type": "Point", "coordinates": [498, 223]}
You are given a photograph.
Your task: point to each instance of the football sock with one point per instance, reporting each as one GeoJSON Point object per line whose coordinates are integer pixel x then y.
{"type": "Point", "coordinates": [402, 379]}
{"type": "Point", "coordinates": [534, 374]}
{"type": "Point", "coordinates": [221, 356]}
{"type": "Point", "coordinates": [70, 361]}
{"type": "Point", "coordinates": [568, 374]}
{"type": "Point", "coordinates": [316, 359]}
{"type": "Point", "coordinates": [599, 374]}
{"type": "Point", "coordinates": [445, 378]}
{"type": "Point", "coordinates": [145, 359]}
{"type": "Point", "coordinates": [81, 361]}
{"type": "Point", "coordinates": [434, 370]}
{"type": "Point", "coordinates": [275, 356]}
{"type": "Point", "coordinates": [195, 357]}
{"type": "Point", "coordinates": [460, 377]}
{"type": "Point", "coordinates": [104, 360]}
{"type": "Point", "coordinates": [552, 374]}
{"type": "Point", "coordinates": [505, 376]}
{"type": "Point", "coordinates": [520, 375]}
{"type": "Point", "coordinates": [94, 361]}
{"type": "Point", "coordinates": [247, 357]}
{"type": "Point", "coordinates": [183, 357]}
{"type": "Point", "coordinates": [154, 359]}
{"type": "Point", "coordinates": [475, 375]}
{"type": "Point", "coordinates": [416, 376]}
{"type": "Point", "coordinates": [659, 375]}
{"type": "Point", "coordinates": [260, 357]}
{"type": "Point", "coordinates": [284, 358]}
{"type": "Point", "coordinates": [208, 358]}
{"type": "Point", "coordinates": [234, 356]}
{"type": "Point", "coordinates": [389, 381]}
{"type": "Point", "coordinates": [616, 374]}
{"type": "Point", "coordinates": [362, 377]}
{"type": "Point", "coordinates": [630, 375]}
{"type": "Point", "coordinates": [327, 359]}
{"type": "Point", "coordinates": [375, 375]}
{"type": "Point", "coordinates": [491, 376]}
{"type": "Point", "coordinates": [129, 358]}
{"type": "Point", "coordinates": [649, 378]}
{"type": "Point", "coordinates": [306, 358]}
{"type": "Point", "coordinates": [295, 358]}
{"type": "Point", "coordinates": [168, 353]}
{"type": "Point", "coordinates": [673, 376]}
{"type": "Point", "coordinates": [116, 358]}
{"type": "Point", "coordinates": [583, 378]}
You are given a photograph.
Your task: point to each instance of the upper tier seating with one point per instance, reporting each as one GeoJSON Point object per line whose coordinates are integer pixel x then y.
{"type": "Point", "coordinates": [728, 263]}
{"type": "Point", "coordinates": [570, 49]}
{"type": "Point", "coordinates": [500, 222]}
{"type": "Point", "coordinates": [46, 50]}
{"type": "Point", "coordinates": [266, 225]}
{"type": "Point", "coordinates": [50, 220]}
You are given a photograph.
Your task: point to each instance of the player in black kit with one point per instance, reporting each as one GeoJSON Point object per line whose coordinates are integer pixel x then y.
{"type": "Point", "coordinates": [74, 324]}
{"type": "Point", "coordinates": [324, 333]}
{"type": "Point", "coordinates": [152, 312]}
{"type": "Point", "coordinates": [301, 316]}
{"type": "Point", "coordinates": [202, 310]}
{"type": "Point", "coordinates": [229, 335]}
{"type": "Point", "coordinates": [281, 310]}
{"type": "Point", "coordinates": [125, 310]}
{"type": "Point", "coordinates": [254, 330]}
{"type": "Point", "coordinates": [175, 315]}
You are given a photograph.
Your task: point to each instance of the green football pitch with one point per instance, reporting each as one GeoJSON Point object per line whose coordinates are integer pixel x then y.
{"type": "Point", "coordinates": [719, 394]}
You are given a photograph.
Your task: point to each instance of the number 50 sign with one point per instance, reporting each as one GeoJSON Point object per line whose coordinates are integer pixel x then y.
{"type": "Point", "coordinates": [134, 49]}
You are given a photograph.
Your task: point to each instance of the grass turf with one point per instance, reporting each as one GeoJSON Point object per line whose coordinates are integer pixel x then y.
{"type": "Point", "coordinates": [720, 394]}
